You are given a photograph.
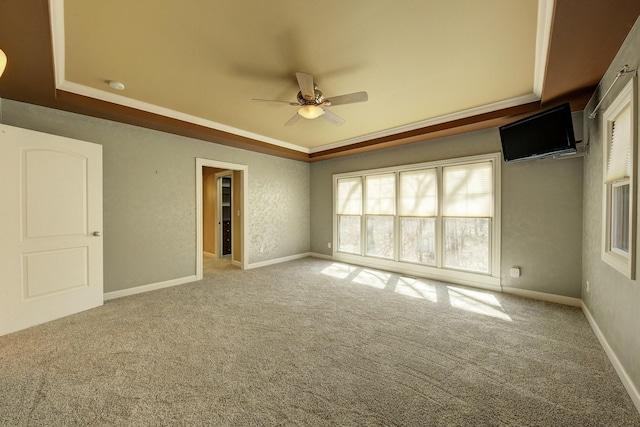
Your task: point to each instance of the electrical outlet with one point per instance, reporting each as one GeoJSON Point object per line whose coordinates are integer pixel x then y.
{"type": "Point", "coordinates": [261, 249]}
{"type": "Point", "coordinates": [329, 245]}
{"type": "Point", "coordinates": [514, 272]}
{"type": "Point", "coordinates": [587, 286]}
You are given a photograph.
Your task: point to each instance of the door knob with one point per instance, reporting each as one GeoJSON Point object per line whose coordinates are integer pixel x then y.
{"type": "Point", "coordinates": [97, 233]}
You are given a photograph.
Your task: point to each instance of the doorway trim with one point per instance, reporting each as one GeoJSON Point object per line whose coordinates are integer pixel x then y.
{"type": "Point", "coordinates": [244, 173]}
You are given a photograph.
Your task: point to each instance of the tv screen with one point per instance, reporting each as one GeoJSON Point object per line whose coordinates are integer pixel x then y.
{"type": "Point", "coordinates": [544, 134]}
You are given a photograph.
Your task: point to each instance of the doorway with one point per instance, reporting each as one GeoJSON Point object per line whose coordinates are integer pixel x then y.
{"type": "Point", "coordinates": [218, 222]}
{"type": "Point", "coordinates": [225, 205]}
{"type": "Point", "coordinates": [211, 246]}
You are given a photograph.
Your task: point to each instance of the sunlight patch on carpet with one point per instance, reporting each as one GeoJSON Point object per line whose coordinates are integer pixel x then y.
{"type": "Point", "coordinates": [473, 301]}
{"type": "Point", "coordinates": [339, 271]}
{"type": "Point", "coordinates": [476, 302]}
{"type": "Point", "coordinates": [375, 279]}
{"type": "Point", "coordinates": [415, 288]}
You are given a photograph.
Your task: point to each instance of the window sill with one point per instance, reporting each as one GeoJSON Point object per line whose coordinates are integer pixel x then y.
{"type": "Point", "coordinates": [621, 263]}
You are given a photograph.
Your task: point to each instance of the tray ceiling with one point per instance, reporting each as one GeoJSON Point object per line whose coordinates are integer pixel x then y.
{"type": "Point", "coordinates": [201, 61]}
{"type": "Point", "coordinates": [431, 68]}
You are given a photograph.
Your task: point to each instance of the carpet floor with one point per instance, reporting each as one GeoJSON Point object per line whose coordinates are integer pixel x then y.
{"type": "Point", "coordinates": [312, 342]}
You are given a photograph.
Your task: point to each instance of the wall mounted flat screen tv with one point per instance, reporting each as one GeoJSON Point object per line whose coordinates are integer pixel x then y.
{"type": "Point", "coordinates": [549, 133]}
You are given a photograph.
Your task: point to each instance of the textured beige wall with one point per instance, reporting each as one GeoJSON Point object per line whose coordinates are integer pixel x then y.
{"type": "Point", "coordinates": [541, 208]}
{"type": "Point", "coordinates": [542, 225]}
{"type": "Point", "coordinates": [612, 299]}
{"type": "Point", "coordinates": [149, 196]}
{"type": "Point", "coordinates": [279, 209]}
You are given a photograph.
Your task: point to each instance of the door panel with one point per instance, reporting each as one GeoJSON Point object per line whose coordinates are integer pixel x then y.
{"type": "Point", "coordinates": [50, 258]}
{"type": "Point", "coordinates": [54, 207]}
{"type": "Point", "coordinates": [50, 272]}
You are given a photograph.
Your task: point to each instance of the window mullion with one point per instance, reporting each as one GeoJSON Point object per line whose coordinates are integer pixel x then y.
{"type": "Point", "coordinates": [439, 222]}
{"type": "Point", "coordinates": [363, 219]}
{"type": "Point", "coordinates": [396, 221]}
{"type": "Point", "coordinates": [490, 236]}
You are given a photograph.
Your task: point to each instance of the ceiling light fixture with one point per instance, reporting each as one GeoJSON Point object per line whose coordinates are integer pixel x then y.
{"type": "Point", "coordinates": [3, 61]}
{"type": "Point", "coordinates": [116, 85]}
{"type": "Point", "coordinates": [310, 111]}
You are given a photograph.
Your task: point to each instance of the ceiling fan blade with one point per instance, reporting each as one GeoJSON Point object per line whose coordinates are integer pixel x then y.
{"type": "Point", "coordinates": [305, 81]}
{"type": "Point", "coordinates": [332, 117]}
{"type": "Point", "coordinates": [295, 104]}
{"type": "Point", "coordinates": [293, 120]}
{"type": "Point", "coordinates": [347, 99]}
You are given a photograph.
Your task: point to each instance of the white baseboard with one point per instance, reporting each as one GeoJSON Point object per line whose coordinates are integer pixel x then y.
{"type": "Point", "coordinates": [622, 373]}
{"type": "Point", "coordinates": [542, 296]}
{"type": "Point", "coordinates": [209, 254]}
{"type": "Point", "coordinates": [278, 260]}
{"type": "Point", "coordinates": [321, 256]}
{"type": "Point", "coordinates": [147, 288]}
{"type": "Point", "coordinates": [236, 263]}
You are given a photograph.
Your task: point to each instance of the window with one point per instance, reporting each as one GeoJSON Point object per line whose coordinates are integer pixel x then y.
{"type": "Point", "coordinates": [418, 202]}
{"type": "Point", "coordinates": [437, 219]}
{"type": "Point", "coordinates": [619, 182]}
{"type": "Point", "coordinates": [467, 212]}
{"type": "Point", "coordinates": [380, 205]}
{"type": "Point", "coordinates": [620, 218]}
{"type": "Point", "coordinates": [349, 211]}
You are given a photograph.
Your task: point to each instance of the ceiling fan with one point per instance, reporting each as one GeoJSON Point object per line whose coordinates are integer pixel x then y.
{"type": "Point", "coordinates": [313, 104]}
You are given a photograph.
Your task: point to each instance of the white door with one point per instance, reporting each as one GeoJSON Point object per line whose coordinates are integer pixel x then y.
{"type": "Point", "coordinates": [50, 227]}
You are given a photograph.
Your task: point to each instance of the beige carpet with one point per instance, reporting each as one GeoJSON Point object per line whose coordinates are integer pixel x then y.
{"type": "Point", "coordinates": [312, 343]}
{"type": "Point", "coordinates": [212, 266]}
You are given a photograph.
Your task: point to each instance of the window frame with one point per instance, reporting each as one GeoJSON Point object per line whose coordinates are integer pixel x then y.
{"type": "Point", "coordinates": [624, 262]}
{"type": "Point", "coordinates": [488, 280]}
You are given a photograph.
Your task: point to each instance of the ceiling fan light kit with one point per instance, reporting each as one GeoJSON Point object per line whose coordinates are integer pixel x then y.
{"type": "Point", "coordinates": [312, 102]}
{"type": "Point", "coordinates": [310, 111]}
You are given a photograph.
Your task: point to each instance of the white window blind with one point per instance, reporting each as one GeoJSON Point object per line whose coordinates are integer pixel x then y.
{"type": "Point", "coordinates": [381, 194]}
{"type": "Point", "coordinates": [468, 190]}
{"type": "Point", "coordinates": [619, 155]}
{"type": "Point", "coordinates": [418, 193]}
{"type": "Point", "coordinates": [349, 198]}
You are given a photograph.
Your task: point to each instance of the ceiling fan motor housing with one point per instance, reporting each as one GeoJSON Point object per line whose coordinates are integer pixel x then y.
{"type": "Point", "coordinates": [319, 98]}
